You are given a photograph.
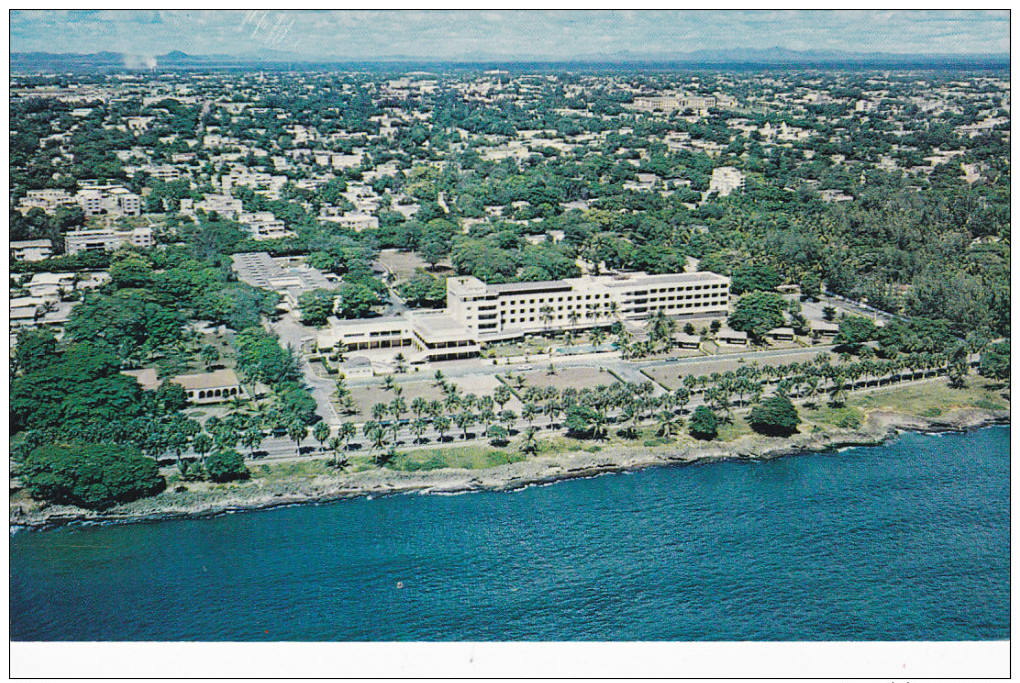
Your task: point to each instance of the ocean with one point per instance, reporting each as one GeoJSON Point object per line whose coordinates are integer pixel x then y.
{"type": "Point", "coordinates": [906, 541]}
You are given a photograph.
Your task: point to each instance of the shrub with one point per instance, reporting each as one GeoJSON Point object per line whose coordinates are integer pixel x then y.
{"type": "Point", "coordinates": [775, 416]}
{"type": "Point", "coordinates": [94, 476]}
{"type": "Point", "coordinates": [226, 466]}
{"type": "Point", "coordinates": [704, 424]}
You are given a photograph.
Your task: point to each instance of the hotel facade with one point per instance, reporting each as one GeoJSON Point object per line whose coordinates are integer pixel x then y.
{"type": "Point", "coordinates": [507, 311]}
{"type": "Point", "coordinates": [477, 313]}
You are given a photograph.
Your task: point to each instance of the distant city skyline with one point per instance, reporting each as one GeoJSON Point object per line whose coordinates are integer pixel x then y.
{"type": "Point", "coordinates": [426, 34]}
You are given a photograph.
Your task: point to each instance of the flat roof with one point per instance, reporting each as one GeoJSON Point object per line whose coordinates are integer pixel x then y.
{"type": "Point", "coordinates": [665, 279]}
{"type": "Point", "coordinates": [529, 287]}
{"type": "Point", "coordinates": [438, 323]}
{"type": "Point", "coordinates": [208, 380]}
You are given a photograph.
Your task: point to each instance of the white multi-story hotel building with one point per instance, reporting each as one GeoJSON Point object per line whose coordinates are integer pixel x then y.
{"type": "Point", "coordinates": [477, 313]}
{"type": "Point", "coordinates": [510, 310]}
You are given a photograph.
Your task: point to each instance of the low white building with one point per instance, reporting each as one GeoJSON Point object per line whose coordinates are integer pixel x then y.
{"type": "Point", "coordinates": [48, 200]}
{"type": "Point", "coordinates": [725, 180]}
{"type": "Point", "coordinates": [222, 204]}
{"type": "Point", "coordinates": [263, 225]}
{"type": "Point", "coordinates": [351, 220]}
{"type": "Point", "coordinates": [31, 250]}
{"type": "Point", "coordinates": [106, 240]}
{"type": "Point", "coordinates": [422, 336]}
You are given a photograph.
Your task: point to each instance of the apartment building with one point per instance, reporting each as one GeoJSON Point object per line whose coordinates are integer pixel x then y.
{"type": "Point", "coordinates": [505, 311]}
{"type": "Point", "coordinates": [222, 204]}
{"type": "Point", "coordinates": [352, 220]}
{"type": "Point", "coordinates": [263, 225]}
{"type": "Point", "coordinates": [106, 240]}
{"type": "Point", "coordinates": [48, 200]}
{"type": "Point", "coordinates": [31, 250]}
{"type": "Point", "coordinates": [108, 199]}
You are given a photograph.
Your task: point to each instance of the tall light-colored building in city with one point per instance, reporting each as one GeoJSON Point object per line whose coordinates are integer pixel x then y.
{"type": "Point", "coordinates": [477, 312]}
{"type": "Point", "coordinates": [671, 102]}
{"type": "Point", "coordinates": [106, 240]}
{"type": "Point", "coordinates": [504, 311]}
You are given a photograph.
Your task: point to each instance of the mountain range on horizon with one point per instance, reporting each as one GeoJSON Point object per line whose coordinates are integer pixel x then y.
{"type": "Point", "coordinates": [773, 56]}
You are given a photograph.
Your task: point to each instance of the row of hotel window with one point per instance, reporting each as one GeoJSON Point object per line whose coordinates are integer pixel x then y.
{"type": "Point", "coordinates": [589, 297]}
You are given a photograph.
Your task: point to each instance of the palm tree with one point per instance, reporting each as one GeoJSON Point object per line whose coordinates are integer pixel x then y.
{"type": "Point", "coordinates": [465, 419]}
{"type": "Point", "coordinates": [629, 417]}
{"type": "Point", "coordinates": [347, 432]}
{"type": "Point", "coordinates": [508, 418]}
{"type": "Point", "coordinates": [573, 316]}
{"type": "Point", "coordinates": [251, 438]}
{"type": "Point", "coordinates": [682, 396]}
{"type": "Point", "coordinates": [202, 444]}
{"type": "Point", "coordinates": [502, 395]}
{"type": "Point", "coordinates": [486, 417]}
{"type": "Point", "coordinates": [669, 425]}
{"type": "Point", "coordinates": [528, 412]}
{"type": "Point", "coordinates": [297, 431]}
{"type": "Point", "coordinates": [335, 445]}
{"type": "Point", "coordinates": [552, 410]}
{"type": "Point", "coordinates": [452, 400]}
{"type": "Point", "coordinates": [419, 426]}
{"type": "Point", "coordinates": [599, 429]}
{"type": "Point", "coordinates": [397, 408]}
{"type": "Point", "coordinates": [530, 444]}
{"type": "Point", "coordinates": [438, 380]}
{"type": "Point", "coordinates": [321, 433]}
{"type": "Point", "coordinates": [389, 383]}
{"type": "Point", "coordinates": [419, 406]}
{"type": "Point", "coordinates": [442, 425]}
{"type": "Point", "coordinates": [377, 438]}
{"type": "Point", "coordinates": [401, 363]}
{"type": "Point", "coordinates": [837, 392]}
{"type": "Point", "coordinates": [380, 411]}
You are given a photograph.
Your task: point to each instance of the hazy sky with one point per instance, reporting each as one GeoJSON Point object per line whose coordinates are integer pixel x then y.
{"type": "Point", "coordinates": [452, 34]}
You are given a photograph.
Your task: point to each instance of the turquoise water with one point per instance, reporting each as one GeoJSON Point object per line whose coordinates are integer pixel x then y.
{"type": "Point", "coordinates": [905, 541]}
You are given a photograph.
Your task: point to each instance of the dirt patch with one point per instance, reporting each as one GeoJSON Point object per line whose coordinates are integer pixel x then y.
{"type": "Point", "coordinates": [574, 378]}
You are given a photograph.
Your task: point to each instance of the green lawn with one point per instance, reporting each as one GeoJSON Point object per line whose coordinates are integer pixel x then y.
{"type": "Point", "coordinates": [933, 399]}
{"type": "Point", "coordinates": [468, 457]}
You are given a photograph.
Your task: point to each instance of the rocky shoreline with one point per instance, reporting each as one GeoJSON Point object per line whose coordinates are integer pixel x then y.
{"type": "Point", "coordinates": [879, 427]}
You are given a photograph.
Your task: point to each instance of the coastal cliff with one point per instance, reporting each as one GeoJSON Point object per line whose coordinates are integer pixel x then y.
{"type": "Point", "coordinates": [256, 494]}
